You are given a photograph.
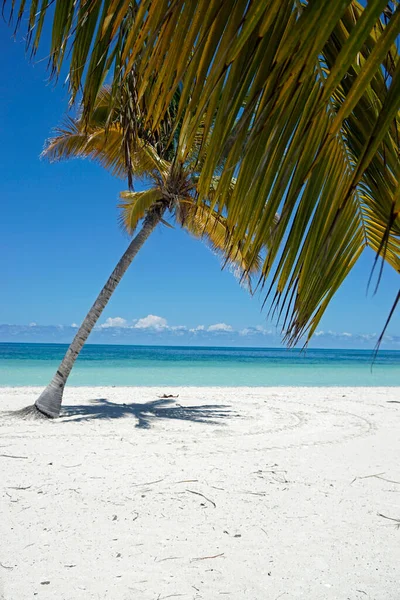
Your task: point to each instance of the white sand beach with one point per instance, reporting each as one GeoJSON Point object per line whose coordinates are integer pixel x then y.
{"type": "Point", "coordinates": [246, 493]}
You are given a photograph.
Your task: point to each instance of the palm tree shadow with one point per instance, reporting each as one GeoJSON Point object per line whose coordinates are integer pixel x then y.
{"type": "Point", "coordinates": [146, 413]}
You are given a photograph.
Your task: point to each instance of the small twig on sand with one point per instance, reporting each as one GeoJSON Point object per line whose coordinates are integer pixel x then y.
{"type": "Point", "coordinates": [203, 496]}
{"type": "Point", "coordinates": [207, 557]}
{"type": "Point", "coordinates": [6, 567]}
{"type": "Point", "coordinates": [168, 558]}
{"type": "Point", "coordinates": [397, 521]}
{"type": "Point", "coordinates": [388, 480]}
{"type": "Point", "coordinates": [367, 477]}
{"type": "Point", "coordinates": [12, 456]}
{"type": "Point", "coordinates": [10, 487]}
{"type": "Point", "coordinates": [11, 498]}
{"type": "Point", "coordinates": [377, 476]}
{"type": "Point", "coordinates": [149, 482]}
{"type": "Point", "coordinates": [168, 396]}
{"type": "Point", "coordinates": [187, 481]}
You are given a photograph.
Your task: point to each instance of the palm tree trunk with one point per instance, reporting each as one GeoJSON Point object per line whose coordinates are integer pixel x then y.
{"type": "Point", "coordinates": [49, 402]}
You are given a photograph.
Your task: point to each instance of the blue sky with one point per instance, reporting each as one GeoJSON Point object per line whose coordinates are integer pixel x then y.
{"type": "Point", "coordinates": [59, 240]}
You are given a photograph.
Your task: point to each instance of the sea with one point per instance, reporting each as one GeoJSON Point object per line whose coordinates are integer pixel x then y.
{"type": "Point", "coordinates": [117, 365]}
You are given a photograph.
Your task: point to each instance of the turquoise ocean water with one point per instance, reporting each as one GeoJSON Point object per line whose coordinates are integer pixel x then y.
{"type": "Point", "coordinates": [35, 364]}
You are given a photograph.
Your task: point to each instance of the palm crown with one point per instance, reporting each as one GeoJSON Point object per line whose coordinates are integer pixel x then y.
{"type": "Point", "coordinates": [174, 186]}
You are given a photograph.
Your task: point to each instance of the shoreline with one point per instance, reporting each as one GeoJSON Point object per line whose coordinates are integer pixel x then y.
{"type": "Point", "coordinates": [28, 388]}
{"type": "Point", "coordinates": [244, 493]}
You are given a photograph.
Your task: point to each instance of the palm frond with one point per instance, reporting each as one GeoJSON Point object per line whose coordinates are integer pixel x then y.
{"type": "Point", "coordinates": [71, 140]}
{"type": "Point", "coordinates": [135, 206]}
{"type": "Point", "coordinates": [101, 138]}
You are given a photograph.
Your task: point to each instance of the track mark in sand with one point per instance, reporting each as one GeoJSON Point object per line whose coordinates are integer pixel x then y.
{"type": "Point", "coordinates": [311, 424]}
{"type": "Point", "coordinates": [347, 424]}
{"type": "Point", "coordinates": [282, 421]}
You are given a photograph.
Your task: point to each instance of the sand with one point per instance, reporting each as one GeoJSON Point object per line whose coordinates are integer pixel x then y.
{"type": "Point", "coordinates": [246, 493]}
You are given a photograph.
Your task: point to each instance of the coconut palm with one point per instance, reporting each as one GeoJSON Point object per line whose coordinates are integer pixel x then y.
{"type": "Point", "coordinates": [298, 98]}
{"type": "Point", "coordinates": [171, 191]}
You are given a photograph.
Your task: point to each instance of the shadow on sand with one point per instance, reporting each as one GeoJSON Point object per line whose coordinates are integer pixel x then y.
{"type": "Point", "coordinates": [146, 413]}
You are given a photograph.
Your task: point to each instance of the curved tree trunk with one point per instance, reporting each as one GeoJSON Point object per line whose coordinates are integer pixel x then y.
{"type": "Point", "coordinates": [49, 402]}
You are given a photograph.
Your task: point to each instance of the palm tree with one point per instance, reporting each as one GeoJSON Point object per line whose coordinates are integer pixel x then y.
{"type": "Point", "coordinates": [173, 192]}
{"type": "Point", "coordinates": [298, 98]}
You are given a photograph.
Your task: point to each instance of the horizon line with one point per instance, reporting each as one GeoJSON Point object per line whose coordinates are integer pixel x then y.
{"type": "Point", "coordinates": [282, 348]}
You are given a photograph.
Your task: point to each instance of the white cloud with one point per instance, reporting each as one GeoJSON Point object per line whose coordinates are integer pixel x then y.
{"type": "Point", "coordinates": [152, 322]}
{"type": "Point", "coordinates": [220, 327]}
{"type": "Point", "coordinates": [259, 330]}
{"type": "Point", "coordinates": [262, 330]}
{"type": "Point", "coordinates": [33, 324]}
{"type": "Point", "coordinates": [74, 325]}
{"type": "Point", "coordinates": [114, 322]}
{"type": "Point", "coordinates": [367, 336]}
{"type": "Point", "coordinates": [196, 329]}
{"type": "Point", "coordinates": [247, 331]}
{"type": "Point", "coordinates": [333, 334]}
{"type": "Point", "coordinates": [250, 331]}
{"type": "Point", "coordinates": [178, 329]}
